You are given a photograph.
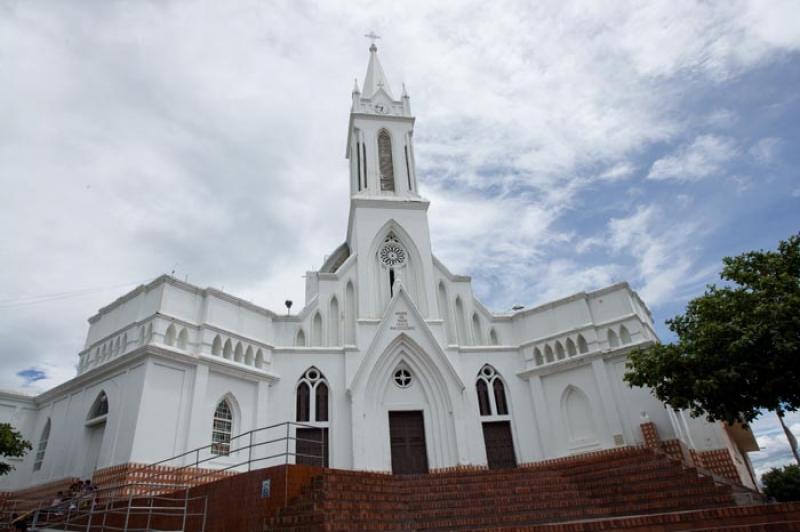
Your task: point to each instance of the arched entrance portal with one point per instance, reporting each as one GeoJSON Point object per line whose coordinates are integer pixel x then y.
{"type": "Point", "coordinates": [403, 411]}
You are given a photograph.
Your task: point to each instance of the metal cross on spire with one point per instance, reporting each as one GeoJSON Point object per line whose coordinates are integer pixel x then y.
{"type": "Point", "coordinates": [372, 36]}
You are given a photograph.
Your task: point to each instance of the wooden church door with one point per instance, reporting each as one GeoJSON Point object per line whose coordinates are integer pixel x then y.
{"type": "Point", "coordinates": [499, 445]}
{"type": "Point", "coordinates": [407, 437]}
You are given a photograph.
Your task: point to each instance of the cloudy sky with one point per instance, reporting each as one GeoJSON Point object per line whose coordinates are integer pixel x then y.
{"type": "Point", "coordinates": [564, 145]}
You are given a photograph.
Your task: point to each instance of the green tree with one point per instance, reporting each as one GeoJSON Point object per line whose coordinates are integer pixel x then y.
{"type": "Point", "coordinates": [11, 446]}
{"type": "Point", "coordinates": [738, 347]}
{"type": "Point", "coordinates": [782, 484]}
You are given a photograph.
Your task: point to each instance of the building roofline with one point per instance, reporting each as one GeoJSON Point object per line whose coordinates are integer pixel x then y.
{"type": "Point", "coordinates": [168, 279]}
{"type": "Point", "coordinates": [575, 297]}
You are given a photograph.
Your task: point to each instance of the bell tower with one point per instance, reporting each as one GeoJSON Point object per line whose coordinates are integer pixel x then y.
{"type": "Point", "coordinates": [380, 137]}
{"type": "Point", "coordinates": [388, 227]}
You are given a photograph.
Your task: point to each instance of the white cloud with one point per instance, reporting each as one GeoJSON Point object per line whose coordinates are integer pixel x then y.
{"type": "Point", "coordinates": [208, 137]}
{"type": "Point", "coordinates": [704, 157]}
{"type": "Point", "coordinates": [618, 172]}
{"type": "Point", "coordinates": [774, 447]}
{"type": "Point", "coordinates": [765, 150]}
{"type": "Point", "coordinates": [662, 250]}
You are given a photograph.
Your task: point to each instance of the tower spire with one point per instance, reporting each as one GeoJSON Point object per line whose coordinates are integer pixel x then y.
{"type": "Point", "coordinates": [375, 78]}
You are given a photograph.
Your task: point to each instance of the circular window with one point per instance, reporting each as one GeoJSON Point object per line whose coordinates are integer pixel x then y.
{"type": "Point", "coordinates": [402, 377]}
{"type": "Point", "coordinates": [392, 254]}
{"type": "Point", "coordinates": [487, 371]}
{"type": "Point", "coordinates": [312, 374]}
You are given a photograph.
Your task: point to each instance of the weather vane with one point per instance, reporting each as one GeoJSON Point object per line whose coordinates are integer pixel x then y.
{"type": "Point", "coordinates": [372, 36]}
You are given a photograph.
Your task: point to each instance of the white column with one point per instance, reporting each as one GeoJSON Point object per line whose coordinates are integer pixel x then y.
{"type": "Point", "coordinates": [261, 420]}
{"type": "Point", "coordinates": [689, 439]}
{"type": "Point", "coordinates": [541, 418]}
{"type": "Point", "coordinates": [610, 411]}
{"type": "Point", "coordinates": [199, 432]}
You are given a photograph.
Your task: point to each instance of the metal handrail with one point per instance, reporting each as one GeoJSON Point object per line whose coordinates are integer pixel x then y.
{"type": "Point", "coordinates": [150, 488]}
{"type": "Point", "coordinates": [286, 455]}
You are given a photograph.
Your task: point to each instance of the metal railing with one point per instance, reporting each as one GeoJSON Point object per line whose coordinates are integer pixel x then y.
{"type": "Point", "coordinates": [94, 512]}
{"type": "Point", "coordinates": [143, 504]}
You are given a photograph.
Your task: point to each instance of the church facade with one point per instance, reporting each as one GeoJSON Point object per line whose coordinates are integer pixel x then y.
{"type": "Point", "coordinates": [392, 360]}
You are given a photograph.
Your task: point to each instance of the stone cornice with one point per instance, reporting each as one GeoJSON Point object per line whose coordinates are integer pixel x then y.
{"type": "Point", "coordinates": [580, 360]}
{"type": "Point", "coordinates": [167, 279]}
{"type": "Point", "coordinates": [138, 355]}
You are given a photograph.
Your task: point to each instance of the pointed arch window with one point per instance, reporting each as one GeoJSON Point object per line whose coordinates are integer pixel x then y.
{"type": "Point", "coordinates": [222, 429]}
{"type": "Point", "coordinates": [583, 347]}
{"type": "Point", "coordinates": [312, 384]}
{"type": "Point", "coordinates": [333, 325]}
{"type": "Point", "coordinates": [477, 336]}
{"type": "Point", "coordinates": [559, 350]}
{"type": "Point", "coordinates": [461, 322]}
{"type": "Point", "coordinates": [494, 403]}
{"type": "Point", "coordinates": [311, 439]}
{"type": "Point", "coordinates": [321, 401]}
{"type": "Point", "coordinates": [183, 339]}
{"type": "Point", "coordinates": [548, 353]}
{"type": "Point", "coordinates": [216, 346]}
{"type": "Point", "coordinates": [483, 398]}
{"type": "Point", "coordinates": [444, 312]}
{"type": "Point", "coordinates": [303, 405]}
{"type": "Point", "coordinates": [571, 348]}
{"type": "Point", "coordinates": [613, 339]}
{"type": "Point", "coordinates": [42, 447]}
{"type": "Point", "coordinates": [349, 314]}
{"type": "Point", "coordinates": [316, 330]}
{"type": "Point", "coordinates": [624, 335]}
{"type": "Point", "coordinates": [169, 336]}
{"type": "Point", "coordinates": [99, 408]}
{"type": "Point", "coordinates": [385, 162]}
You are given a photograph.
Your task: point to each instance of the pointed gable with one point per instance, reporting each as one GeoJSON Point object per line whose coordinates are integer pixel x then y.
{"type": "Point", "coordinates": [402, 324]}
{"type": "Point", "coordinates": [375, 78]}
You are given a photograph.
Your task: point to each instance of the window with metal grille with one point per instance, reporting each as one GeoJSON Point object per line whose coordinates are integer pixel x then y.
{"type": "Point", "coordinates": [222, 429]}
{"type": "Point", "coordinates": [42, 447]}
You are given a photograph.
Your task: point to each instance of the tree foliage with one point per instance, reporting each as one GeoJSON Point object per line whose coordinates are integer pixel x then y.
{"type": "Point", "coordinates": [738, 347]}
{"type": "Point", "coordinates": [782, 484]}
{"type": "Point", "coordinates": [11, 446]}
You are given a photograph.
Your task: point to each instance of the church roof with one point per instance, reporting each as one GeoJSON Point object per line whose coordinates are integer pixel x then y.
{"type": "Point", "coordinates": [375, 78]}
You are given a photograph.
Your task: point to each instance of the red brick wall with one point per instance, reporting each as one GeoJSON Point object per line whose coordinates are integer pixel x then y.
{"type": "Point", "coordinates": [233, 503]}
{"type": "Point", "coordinates": [596, 455]}
{"type": "Point", "coordinates": [650, 433]}
{"type": "Point", "coordinates": [31, 497]}
{"type": "Point", "coordinates": [719, 461]}
{"type": "Point", "coordinates": [149, 476]}
{"type": "Point", "coordinates": [227, 498]}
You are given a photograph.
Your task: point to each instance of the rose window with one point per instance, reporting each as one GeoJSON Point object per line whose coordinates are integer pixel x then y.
{"type": "Point", "coordinates": [392, 254]}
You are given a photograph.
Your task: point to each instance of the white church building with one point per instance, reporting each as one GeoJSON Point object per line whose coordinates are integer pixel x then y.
{"type": "Point", "coordinates": [392, 360]}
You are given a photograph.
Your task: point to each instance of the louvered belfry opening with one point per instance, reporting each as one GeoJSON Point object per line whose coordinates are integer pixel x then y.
{"type": "Point", "coordinates": [385, 163]}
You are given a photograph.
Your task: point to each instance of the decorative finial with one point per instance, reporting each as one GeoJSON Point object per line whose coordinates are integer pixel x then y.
{"type": "Point", "coordinates": [355, 86]}
{"type": "Point", "coordinates": [405, 93]}
{"type": "Point", "coordinates": [372, 36]}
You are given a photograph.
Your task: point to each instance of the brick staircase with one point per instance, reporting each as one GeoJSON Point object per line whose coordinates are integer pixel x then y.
{"type": "Point", "coordinates": [23, 501]}
{"type": "Point", "coordinates": [632, 488]}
